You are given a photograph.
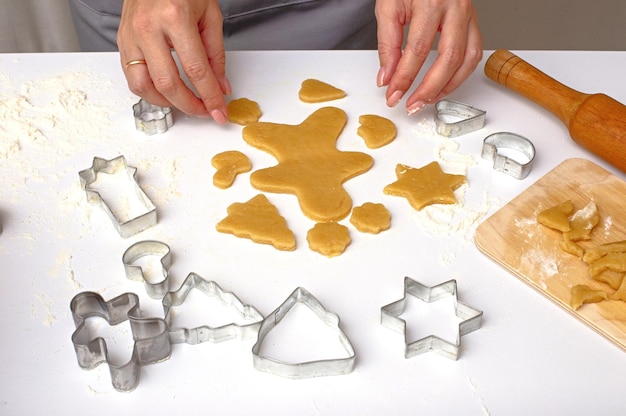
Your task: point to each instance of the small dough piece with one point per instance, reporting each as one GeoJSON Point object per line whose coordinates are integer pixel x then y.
{"type": "Point", "coordinates": [371, 218]}
{"type": "Point", "coordinates": [315, 91]}
{"type": "Point", "coordinates": [620, 293]}
{"type": "Point", "coordinates": [581, 294]}
{"type": "Point", "coordinates": [611, 261]}
{"type": "Point", "coordinates": [229, 164]}
{"type": "Point", "coordinates": [329, 238]}
{"type": "Point", "coordinates": [309, 164]}
{"type": "Point", "coordinates": [259, 220]}
{"type": "Point", "coordinates": [572, 247]}
{"type": "Point", "coordinates": [243, 111]}
{"type": "Point", "coordinates": [557, 217]}
{"type": "Point", "coordinates": [610, 277]}
{"type": "Point", "coordinates": [425, 186]}
{"type": "Point", "coordinates": [595, 253]}
{"type": "Point", "coordinates": [582, 223]}
{"type": "Point", "coordinates": [376, 131]}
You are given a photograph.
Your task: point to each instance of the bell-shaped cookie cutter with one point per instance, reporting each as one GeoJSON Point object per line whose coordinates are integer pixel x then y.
{"type": "Point", "coordinates": [151, 337]}
{"type": "Point", "coordinates": [495, 148]}
{"type": "Point", "coordinates": [206, 333]}
{"type": "Point", "coordinates": [319, 368]}
{"type": "Point", "coordinates": [156, 289]}
{"type": "Point", "coordinates": [152, 119]}
{"type": "Point", "coordinates": [131, 226]}
{"type": "Point", "coordinates": [390, 318]}
{"type": "Point", "coordinates": [466, 118]}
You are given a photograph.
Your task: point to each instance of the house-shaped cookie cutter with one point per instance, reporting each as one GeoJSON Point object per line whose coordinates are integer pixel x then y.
{"type": "Point", "coordinates": [131, 226]}
{"type": "Point", "coordinates": [151, 337]}
{"type": "Point", "coordinates": [318, 368]}
{"type": "Point", "coordinates": [390, 318]}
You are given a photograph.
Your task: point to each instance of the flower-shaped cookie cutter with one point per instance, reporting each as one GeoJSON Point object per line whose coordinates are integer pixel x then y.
{"type": "Point", "coordinates": [390, 318]}
{"type": "Point", "coordinates": [453, 118]}
{"type": "Point", "coordinates": [318, 368]}
{"type": "Point", "coordinates": [152, 119]}
{"type": "Point", "coordinates": [200, 334]}
{"type": "Point", "coordinates": [151, 337]}
{"type": "Point", "coordinates": [498, 146]}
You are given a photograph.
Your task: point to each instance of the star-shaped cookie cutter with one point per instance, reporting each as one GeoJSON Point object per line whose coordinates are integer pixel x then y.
{"type": "Point", "coordinates": [155, 290]}
{"type": "Point", "coordinates": [471, 118]}
{"type": "Point", "coordinates": [206, 333]}
{"type": "Point", "coordinates": [151, 337]}
{"type": "Point", "coordinates": [152, 119]}
{"type": "Point", "coordinates": [131, 226]}
{"type": "Point", "coordinates": [471, 318]}
{"type": "Point", "coordinates": [318, 368]}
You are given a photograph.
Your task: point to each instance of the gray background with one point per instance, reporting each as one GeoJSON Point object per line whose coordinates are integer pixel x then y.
{"type": "Point", "coordinates": [46, 26]}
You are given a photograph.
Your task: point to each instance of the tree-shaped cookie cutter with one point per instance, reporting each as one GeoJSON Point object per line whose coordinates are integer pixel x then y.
{"type": "Point", "coordinates": [151, 337]}
{"type": "Point", "coordinates": [471, 318]}
{"type": "Point", "coordinates": [318, 368]}
{"type": "Point", "coordinates": [155, 290]}
{"type": "Point", "coordinates": [131, 226]}
{"type": "Point", "coordinates": [206, 333]}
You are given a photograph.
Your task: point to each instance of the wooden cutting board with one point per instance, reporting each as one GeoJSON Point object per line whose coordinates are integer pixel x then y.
{"type": "Point", "coordinates": [513, 239]}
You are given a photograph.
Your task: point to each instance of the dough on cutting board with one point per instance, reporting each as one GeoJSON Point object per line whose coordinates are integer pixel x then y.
{"type": "Point", "coordinates": [582, 223]}
{"type": "Point", "coordinates": [371, 218]}
{"type": "Point", "coordinates": [259, 220]}
{"type": "Point", "coordinates": [329, 238]}
{"type": "Point", "coordinates": [376, 131]}
{"type": "Point", "coordinates": [316, 91]}
{"type": "Point", "coordinates": [557, 217]}
{"type": "Point", "coordinates": [582, 294]}
{"type": "Point", "coordinates": [228, 165]}
{"type": "Point", "coordinates": [243, 111]}
{"type": "Point", "coordinates": [425, 186]}
{"type": "Point", "coordinates": [309, 164]}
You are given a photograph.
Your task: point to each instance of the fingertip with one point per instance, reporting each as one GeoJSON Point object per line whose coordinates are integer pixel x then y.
{"type": "Point", "coordinates": [219, 117]}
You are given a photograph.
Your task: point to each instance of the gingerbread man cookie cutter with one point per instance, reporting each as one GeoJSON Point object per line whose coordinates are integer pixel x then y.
{"type": "Point", "coordinates": [470, 318]}
{"type": "Point", "coordinates": [150, 335]}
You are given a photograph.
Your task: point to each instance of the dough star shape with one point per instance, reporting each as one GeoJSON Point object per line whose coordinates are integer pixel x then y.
{"type": "Point", "coordinates": [425, 186]}
{"type": "Point", "coordinates": [309, 164]}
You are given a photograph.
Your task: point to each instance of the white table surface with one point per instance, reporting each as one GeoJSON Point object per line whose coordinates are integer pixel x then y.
{"type": "Point", "coordinates": [529, 356]}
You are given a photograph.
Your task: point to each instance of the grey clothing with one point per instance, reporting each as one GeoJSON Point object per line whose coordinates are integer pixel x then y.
{"type": "Point", "coordinates": [252, 24]}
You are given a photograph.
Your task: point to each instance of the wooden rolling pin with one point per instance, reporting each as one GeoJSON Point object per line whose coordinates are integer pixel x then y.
{"type": "Point", "coordinates": [597, 122]}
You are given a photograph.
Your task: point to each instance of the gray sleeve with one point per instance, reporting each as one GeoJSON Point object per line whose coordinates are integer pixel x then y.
{"type": "Point", "coordinates": [252, 24]}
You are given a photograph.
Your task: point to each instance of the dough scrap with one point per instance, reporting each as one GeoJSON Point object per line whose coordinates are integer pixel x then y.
{"type": "Point", "coordinates": [620, 293]}
{"type": "Point", "coordinates": [376, 131]}
{"type": "Point", "coordinates": [425, 186]}
{"type": "Point", "coordinates": [229, 164]}
{"type": "Point", "coordinates": [582, 223]}
{"type": "Point", "coordinates": [597, 252]}
{"type": "Point", "coordinates": [610, 277]}
{"type": "Point", "coordinates": [329, 238]}
{"type": "Point", "coordinates": [259, 220]}
{"type": "Point", "coordinates": [557, 217]}
{"type": "Point", "coordinates": [582, 294]}
{"type": "Point", "coordinates": [315, 91]}
{"type": "Point", "coordinates": [243, 111]}
{"type": "Point", "coordinates": [371, 218]}
{"type": "Point", "coordinates": [611, 261]}
{"type": "Point", "coordinates": [309, 164]}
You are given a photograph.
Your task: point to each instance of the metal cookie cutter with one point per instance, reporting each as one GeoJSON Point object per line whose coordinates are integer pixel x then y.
{"type": "Point", "coordinates": [389, 317]}
{"type": "Point", "coordinates": [131, 226]}
{"type": "Point", "coordinates": [155, 290]}
{"type": "Point", "coordinates": [152, 342]}
{"type": "Point", "coordinates": [205, 333]}
{"type": "Point", "coordinates": [471, 118]}
{"type": "Point", "coordinates": [319, 368]}
{"type": "Point", "coordinates": [152, 119]}
{"type": "Point", "coordinates": [495, 148]}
